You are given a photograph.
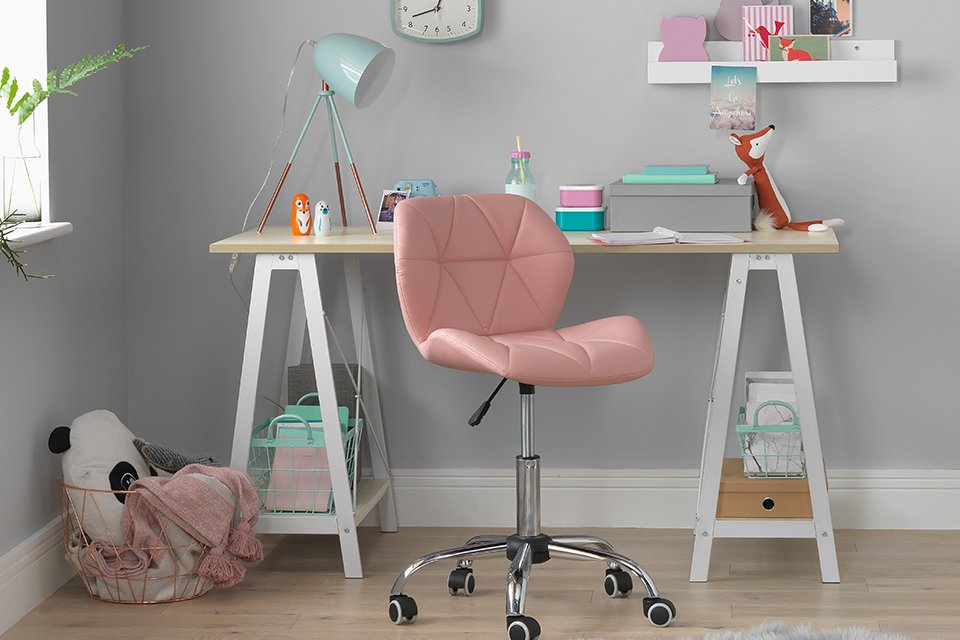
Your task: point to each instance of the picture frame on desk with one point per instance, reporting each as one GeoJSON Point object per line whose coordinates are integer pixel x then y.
{"type": "Point", "coordinates": [388, 203]}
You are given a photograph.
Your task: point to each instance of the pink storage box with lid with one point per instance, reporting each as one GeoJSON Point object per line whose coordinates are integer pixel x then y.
{"type": "Point", "coordinates": [581, 195]}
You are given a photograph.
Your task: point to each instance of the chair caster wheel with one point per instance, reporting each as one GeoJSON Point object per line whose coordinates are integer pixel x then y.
{"type": "Point", "coordinates": [659, 611]}
{"type": "Point", "coordinates": [617, 583]}
{"type": "Point", "coordinates": [402, 609]}
{"type": "Point", "coordinates": [461, 580]}
{"type": "Point", "coordinates": [522, 628]}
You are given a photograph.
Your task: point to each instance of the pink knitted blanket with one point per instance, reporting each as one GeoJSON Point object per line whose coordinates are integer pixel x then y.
{"type": "Point", "coordinates": [217, 506]}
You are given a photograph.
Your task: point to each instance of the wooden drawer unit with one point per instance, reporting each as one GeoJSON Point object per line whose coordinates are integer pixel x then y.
{"type": "Point", "coordinates": [743, 497]}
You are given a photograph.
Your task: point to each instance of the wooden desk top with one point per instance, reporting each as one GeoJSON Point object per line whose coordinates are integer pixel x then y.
{"type": "Point", "coordinates": [359, 240]}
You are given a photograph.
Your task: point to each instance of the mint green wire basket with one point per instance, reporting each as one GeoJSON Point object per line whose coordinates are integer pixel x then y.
{"type": "Point", "coordinates": [289, 462]}
{"type": "Point", "coordinates": [772, 450]}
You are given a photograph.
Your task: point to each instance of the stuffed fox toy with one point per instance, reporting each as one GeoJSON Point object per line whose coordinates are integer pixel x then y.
{"type": "Point", "coordinates": [774, 213]}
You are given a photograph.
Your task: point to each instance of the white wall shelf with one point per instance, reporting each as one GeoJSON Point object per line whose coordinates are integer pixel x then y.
{"type": "Point", "coordinates": [851, 61]}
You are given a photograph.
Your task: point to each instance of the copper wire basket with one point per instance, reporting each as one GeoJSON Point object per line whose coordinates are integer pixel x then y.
{"type": "Point", "coordinates": [160, 566]}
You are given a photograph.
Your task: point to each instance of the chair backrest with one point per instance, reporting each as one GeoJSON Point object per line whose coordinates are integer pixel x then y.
{"type": "Point", "coordinates": [487, 264]}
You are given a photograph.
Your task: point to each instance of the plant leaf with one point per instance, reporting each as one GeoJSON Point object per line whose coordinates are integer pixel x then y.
{"type": "Point", "coordinates": [14, 108]}
{"type": "Point", "coordinates": [7, 251]}
{"type": "Point", "coordinates": [69, 76]}
{"type": "Point", "coordinates": [29, 103]}
{"type": "Point", "coordinates": [7, 91]}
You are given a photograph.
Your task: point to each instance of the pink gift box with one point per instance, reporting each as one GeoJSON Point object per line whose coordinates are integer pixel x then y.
{"type": "Point", "coordinates": [581, 195]}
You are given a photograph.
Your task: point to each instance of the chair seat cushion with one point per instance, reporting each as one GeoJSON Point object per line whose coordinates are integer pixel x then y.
{"type": "Point", "coordinates": [606, 351]}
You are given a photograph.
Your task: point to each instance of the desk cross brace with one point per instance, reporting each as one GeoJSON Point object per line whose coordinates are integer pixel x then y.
{"type": "Point", "coordinates": [708, 527]}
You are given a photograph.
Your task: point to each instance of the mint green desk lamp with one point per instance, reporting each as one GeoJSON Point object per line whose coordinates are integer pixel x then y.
{"type": "Point", "coordinates": [357, 69]}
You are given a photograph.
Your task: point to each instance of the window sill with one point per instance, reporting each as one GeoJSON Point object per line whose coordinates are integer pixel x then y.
{"type": "Point", "coordinates": [24, 237]}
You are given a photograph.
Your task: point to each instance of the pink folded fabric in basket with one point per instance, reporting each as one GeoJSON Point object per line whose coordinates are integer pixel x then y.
{"type": "Point", "coordinates": [106, 560]}
{"type": "Point", "coordinates": [206, 502]}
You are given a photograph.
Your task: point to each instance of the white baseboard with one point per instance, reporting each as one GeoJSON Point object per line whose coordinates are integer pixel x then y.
{"type": "Point", "coordinates": [660, 499]}
{"type": "Point", "coordinates": [30, 572]}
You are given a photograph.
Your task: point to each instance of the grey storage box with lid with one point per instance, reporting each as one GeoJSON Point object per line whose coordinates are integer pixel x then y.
{"type": "Point", "coordinates": [722, 207]}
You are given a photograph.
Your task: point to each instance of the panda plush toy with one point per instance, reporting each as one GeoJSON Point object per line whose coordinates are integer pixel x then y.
{"type": "Point", "coordinates": [99, 456]}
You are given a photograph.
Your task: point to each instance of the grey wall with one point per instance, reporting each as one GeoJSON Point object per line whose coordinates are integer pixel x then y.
{"type": "Point", "coordinates": [203, 110]}
{"type": "Point", "coordinates": [64, 338]}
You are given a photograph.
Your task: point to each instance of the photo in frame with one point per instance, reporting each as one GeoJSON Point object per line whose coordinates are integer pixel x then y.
{"type": "Point", "coordinates": [831, 18]}
{"type": "Point", "coordinates": [388, 204]}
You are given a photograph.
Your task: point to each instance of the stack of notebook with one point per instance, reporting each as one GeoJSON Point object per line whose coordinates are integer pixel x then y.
{"type": "Point", "coordinates": [672, 174]}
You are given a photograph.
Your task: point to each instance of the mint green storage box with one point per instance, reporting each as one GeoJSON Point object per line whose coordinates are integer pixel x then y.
{"type": "Point", "coordinates": [580, 218]}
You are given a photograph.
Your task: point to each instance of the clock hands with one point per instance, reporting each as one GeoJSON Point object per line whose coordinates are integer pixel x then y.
{"type": "Point", "coordinates": [434, 10]}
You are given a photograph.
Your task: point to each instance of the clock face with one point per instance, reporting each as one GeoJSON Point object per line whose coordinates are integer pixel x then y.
{"type": "Point", "coordinates": [437, 20]}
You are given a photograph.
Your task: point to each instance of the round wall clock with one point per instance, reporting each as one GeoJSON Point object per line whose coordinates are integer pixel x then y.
{"type": "Point", "coordinates": [437, 20]}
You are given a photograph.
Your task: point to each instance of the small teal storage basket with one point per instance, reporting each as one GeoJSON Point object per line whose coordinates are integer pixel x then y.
{"type": "Point", "coordinates": [580, 219]}
{"type": "Point", "coordinates": [774, 450]}
{"type": "Point", "coordinates": [289, 463]}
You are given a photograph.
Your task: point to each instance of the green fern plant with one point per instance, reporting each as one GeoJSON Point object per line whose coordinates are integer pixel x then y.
{"type": "Point", "coordinates": [57, 81]}
{"type": "Point", "coordinates": [22, 107]}
{"type": "Point", "coordinates": [7, 250]}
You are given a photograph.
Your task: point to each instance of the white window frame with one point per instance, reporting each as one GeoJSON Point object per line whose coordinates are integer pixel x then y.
{"type": "Point", "coordinates": [23, 48]}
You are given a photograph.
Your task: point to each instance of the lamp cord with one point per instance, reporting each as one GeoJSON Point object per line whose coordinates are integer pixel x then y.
{"type": "Point", "coordinates": [235, 258]}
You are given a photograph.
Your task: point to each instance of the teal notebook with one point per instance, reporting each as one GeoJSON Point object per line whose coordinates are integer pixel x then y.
{"type": "Point", "coordinates": [643, 178]}
{"type": "Point", "coordinates": [676, 169]}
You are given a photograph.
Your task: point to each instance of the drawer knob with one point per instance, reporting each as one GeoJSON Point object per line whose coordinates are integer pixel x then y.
{"type": "Point", "coordinates": [768, 504]}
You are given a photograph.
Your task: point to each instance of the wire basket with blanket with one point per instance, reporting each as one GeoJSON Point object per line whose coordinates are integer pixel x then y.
{"type": "Point", "coordinates": [177, 537]}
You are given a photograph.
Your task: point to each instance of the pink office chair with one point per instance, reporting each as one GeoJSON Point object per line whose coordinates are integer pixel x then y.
{"type": "Point", "coordinates": [481, 281]}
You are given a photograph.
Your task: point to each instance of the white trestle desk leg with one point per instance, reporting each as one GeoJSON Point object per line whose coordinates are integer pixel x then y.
{"type": "Point", "coordinates": [371, 396]}
{"type": "Point", "coordinates": [718, 416]}
{"type": "Point", "coordinates": [320, 350]}
{"type": "Point", "coordinates": [250, 369]}
{"type": "Point", "coordinates": [807, 412]}
{"type": "Point", "coordinates": [295, 338]}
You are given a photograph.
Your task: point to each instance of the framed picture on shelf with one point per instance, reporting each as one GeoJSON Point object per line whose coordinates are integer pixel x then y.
{"type": "Point", "coordinates": [799, 48]}
{"type": "Point", "coordinates": [831, 17]}
{"type": "Point", "coordinates": [388, 203]}
{"type": "Point", "coordinates": [759, 23]}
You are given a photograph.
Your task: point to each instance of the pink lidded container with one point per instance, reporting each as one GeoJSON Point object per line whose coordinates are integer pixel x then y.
{"type": "Point", "coordinates": [581, 195]}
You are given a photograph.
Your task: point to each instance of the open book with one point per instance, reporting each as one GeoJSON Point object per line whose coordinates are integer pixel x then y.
{"type": "Point", "coordinates": [661, 235]}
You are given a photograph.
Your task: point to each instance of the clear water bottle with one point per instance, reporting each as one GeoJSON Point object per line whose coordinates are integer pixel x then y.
{"type": "Point", "coordinates": [520, 181]}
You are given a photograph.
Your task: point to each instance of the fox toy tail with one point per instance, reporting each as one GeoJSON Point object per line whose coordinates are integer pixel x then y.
{"type": "Point", "coordinates": [765, 221]}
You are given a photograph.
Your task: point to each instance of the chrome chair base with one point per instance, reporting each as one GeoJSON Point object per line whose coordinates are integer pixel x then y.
{"type": "Point", "coordinates": [617, 581]}
{"type": "Point", "coordinates": [528, 547]}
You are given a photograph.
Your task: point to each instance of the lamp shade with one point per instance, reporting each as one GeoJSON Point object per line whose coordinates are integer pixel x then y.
{"type": "Point", "coordinates": [356, 68]}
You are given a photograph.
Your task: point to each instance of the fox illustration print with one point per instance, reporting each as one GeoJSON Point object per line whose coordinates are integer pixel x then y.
{"type": "Point", "coordinates": [774, 213]}
{"type": "Point", "coordinates": [786, 46]}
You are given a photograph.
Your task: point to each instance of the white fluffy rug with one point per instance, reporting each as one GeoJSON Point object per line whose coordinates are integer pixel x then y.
{"type": "Point", "coordinates": [783, 631]}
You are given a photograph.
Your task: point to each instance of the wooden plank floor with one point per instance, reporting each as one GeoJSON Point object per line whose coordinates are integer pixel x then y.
{"type": "Point", "coordinates": [906, 582]}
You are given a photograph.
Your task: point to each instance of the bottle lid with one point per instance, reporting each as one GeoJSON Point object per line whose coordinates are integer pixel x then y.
{"type": "Point", "coordinates": [520, 154]}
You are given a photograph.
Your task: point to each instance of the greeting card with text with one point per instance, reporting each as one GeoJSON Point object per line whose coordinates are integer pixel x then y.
{"type": "Point", "coordinates": [733, 98]}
